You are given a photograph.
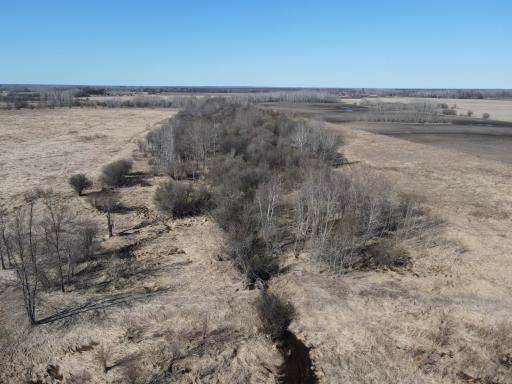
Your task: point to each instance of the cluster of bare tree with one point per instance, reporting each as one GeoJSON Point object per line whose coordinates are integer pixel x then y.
{"type": "Point", "coordinates": [42, 244]}
{"type": "Point", "coordinates": [250, 158]}
{"type": "Point", "coordinates": [207, 129]}
{"type": "Point", "coordinates": [413, 112]}
{"type": "Point", "coordinates": [137, 101]}
{"type": "Point", "coordinates": [430, 93]}
{"type": "Point", "coordinates": [42, 98]}
{"type": "Point", "coordinates": [179, 101]}
{"type": "Point", "coordinates": [339, 215]}
{"type": "Point", "coordinates": [59, 98]}
{"type": "Point", "coordinates": [423, 112]}
{"type": "Point", "coordinates": [264, 168]}
{"type": "Point", "coordinates": [298, 96]}
{"type": "Point", "coordinates": [68, 97]}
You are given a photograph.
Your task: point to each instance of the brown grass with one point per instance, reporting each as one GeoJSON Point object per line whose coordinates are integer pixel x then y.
{"type": "Point", "coordinates": [170, 304]}
{"type": "Point", "coordinates": [440, 321]}
{"type": "Point", "coordinates": [42, 147]}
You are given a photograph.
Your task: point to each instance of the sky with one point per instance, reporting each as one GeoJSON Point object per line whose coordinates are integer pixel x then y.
{"type": "Point", "coordinates": [281, 43]}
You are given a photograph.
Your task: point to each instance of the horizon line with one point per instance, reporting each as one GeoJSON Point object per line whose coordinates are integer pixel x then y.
{"type": "Point", "coordinates": [252, 87]}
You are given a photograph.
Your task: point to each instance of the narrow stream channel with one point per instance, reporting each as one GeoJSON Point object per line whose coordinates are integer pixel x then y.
{"type": "Point", "coordinates": [297, 367]}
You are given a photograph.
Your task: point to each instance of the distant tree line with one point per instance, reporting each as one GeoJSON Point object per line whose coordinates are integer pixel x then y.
{"type": "Point", "coordinates": [413, 112]}
{"type": "Point", "coordinates": [17, 97]}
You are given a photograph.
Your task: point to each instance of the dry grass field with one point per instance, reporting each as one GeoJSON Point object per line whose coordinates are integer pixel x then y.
{"type": "Point", "coordinates": [169, 304]}
{"type": "Point", "coordinates": [165, 301]}
{"type": "Point", "coordinates": [42, 147]}
{"type": "Point", "coordinates": [446, 318]}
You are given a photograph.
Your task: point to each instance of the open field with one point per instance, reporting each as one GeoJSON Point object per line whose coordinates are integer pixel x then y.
{"type": "Point", "coordinates": [210, 193]}
{"type": "Point", "coordinates": [459, 284]}
{"type": "Point", "coordinates": [160, 297]}
{"type": "Point", "coordinates": [487, 142]}
{"type": "Point", "coordinates": [40, 148]}
{"type": "Point", "coordinates": [498, 109]}
{"type": "Point", "coordinates": [164, 299]}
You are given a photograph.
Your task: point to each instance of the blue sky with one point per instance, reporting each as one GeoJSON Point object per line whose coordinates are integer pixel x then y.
{"type": "Point", "coordinates": [365, 43]}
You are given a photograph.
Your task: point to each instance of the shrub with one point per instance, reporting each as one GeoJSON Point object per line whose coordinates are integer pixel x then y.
{"type": "Point", "coordinates": [114, 173]}
{"type": "Point", "coordinates": [451, 112]}
{"type": "Point", "coordinates": [182, 170]}
{"type": "Point", "coordinates": [470, 113]}
{"type": "Point", "coordinates": [385, 253]}
{"type": "Point", "coordinates": [445, 330]}
{"type": "Point", "coordinates": [133, 373]}
{"type": "Point", "coordinates": [181, 199]}
{"type": "Point", "coordinates": [82, 377]}
{"type": "Point", "coordinates": [251, 255]}
{"type": "Point", "coordinates": [79, 182]}
{"type": "Point", "coordinates": [275, 314]}
{"type": "Point", "coordinates": [103, 356]}
{"type": "Point", "coordinates": [486, 116]}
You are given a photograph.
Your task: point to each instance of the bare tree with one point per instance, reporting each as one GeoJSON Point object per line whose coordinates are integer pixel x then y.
{"type": "Point", "coordinates": [86, 233]}
{"type": "Point", "coordinates": [314, 141]}
{"type": "Point", "coordinates": [21, 245]}
{"type": "Point", "coordinates": [78, 245]}
{"type": "Point", "coordinates": [107, 203]}
{"type": "Point", "coordinates": [71, 249]}
{"type": "Point", "coordinates": [202, 137]}
{"type": "Point", "coordinates": [2, 260]}
{"type": "Point", "coordinates": [4, 250]}
{"type": "Point", "coordinates": [53, 227]}
{"type": "Point", "coordinates": [267, 198]}
{"type": "Point", "coordinates": [301, 135]}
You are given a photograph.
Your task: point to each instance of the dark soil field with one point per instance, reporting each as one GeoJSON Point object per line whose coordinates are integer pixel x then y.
{"type": "Point", "coordinates": [490, 140]}
{"type": "Point", "coordinates": [487, 142]}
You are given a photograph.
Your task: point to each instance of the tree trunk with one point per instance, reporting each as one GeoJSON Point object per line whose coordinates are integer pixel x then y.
{"type": "Point", "coordinates": [61, 275]}
{"type": "Point", "coordinates": [2, 257]}
{"type": "Point", "coordinates": [110, 224]}
{"type": "Point", "coordinates": [31, 316]}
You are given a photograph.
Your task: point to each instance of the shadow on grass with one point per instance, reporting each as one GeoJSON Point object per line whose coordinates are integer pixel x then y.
{"type": "Point", "coordinates": [119, 299]}
{"type": "Point", "coordinates": [136, 178]}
